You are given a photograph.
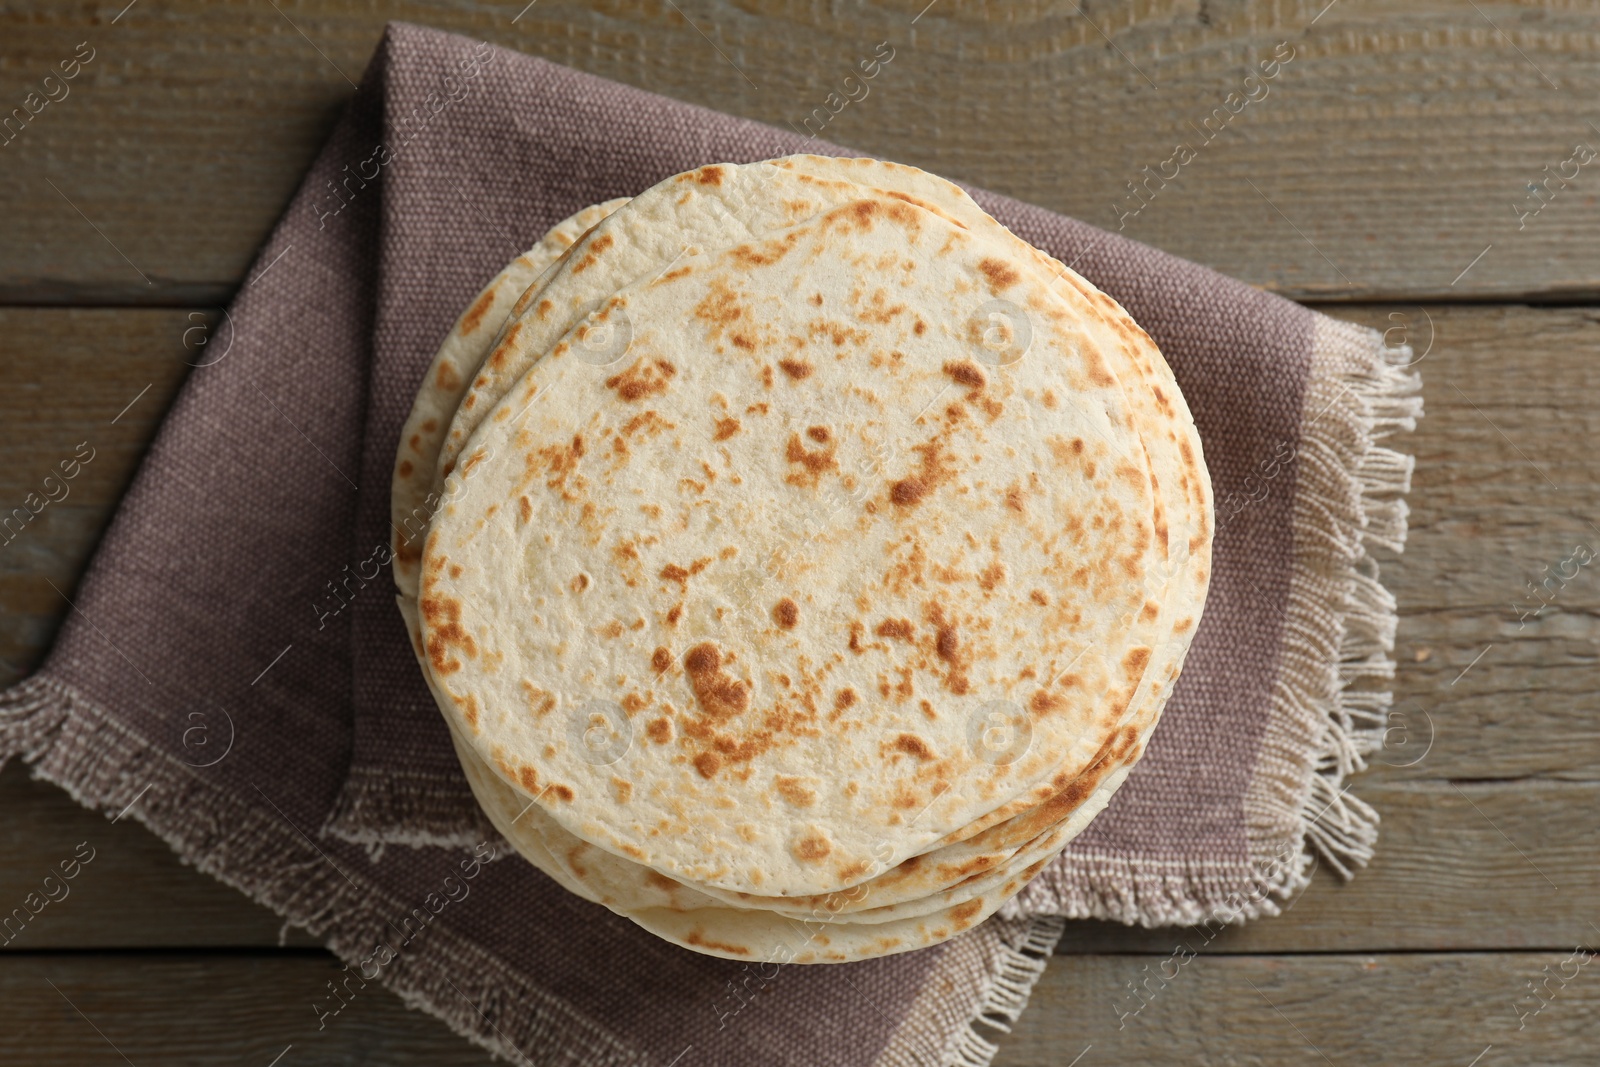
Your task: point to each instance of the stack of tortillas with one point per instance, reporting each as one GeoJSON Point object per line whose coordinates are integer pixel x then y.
{"type": "Point", "coordinates": [799, 558]}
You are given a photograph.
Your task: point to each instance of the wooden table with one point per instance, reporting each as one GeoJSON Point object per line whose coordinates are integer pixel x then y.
{"type": "Point", "coordinates": [1385, 176]}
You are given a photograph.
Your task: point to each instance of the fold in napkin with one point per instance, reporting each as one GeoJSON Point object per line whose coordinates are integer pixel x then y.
{"type": "Point", "coordinates": [243, 586]}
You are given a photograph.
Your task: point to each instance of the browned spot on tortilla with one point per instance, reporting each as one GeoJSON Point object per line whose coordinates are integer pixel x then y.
{"type": "Point", "coordinates": [844, 698]}
{"type": "Point", "coordinates": [579, 583]}
{"type": "Point", "coordinates": [540, 701]}
{"type": "Point", "coordinates": [856, 630]}
{"type": "Point", "coordinates": [711, 175]}
{"type": "Point", "coordinates": [992, 575]}
{"type": "Point", "coordinates": [561, 792]}
{"type": "Point", "coordinates": [591, 254]}
{"type": "Point", "coordinates": [646, 377]}
{"type": "Point", "coordinates": [962, 914]}
{"type": "Point", "coordinates": [726, 428]}
{"type": "Point", "coordinates": [999, 273]}
{"type": "Point", "coordinates": [796, 369]}
{"type": "Point", "coordinates": [912, 745]}
{"type": "Point", "coordinates": [1044, 702]}
{"type": "Point", "coordinates": [794, 791]}
{"type": "Point", "coordinates": [447, 378]}
{"type": "Point", "coordinates": [474, 316]}
{"type": "Point", "coordinates": [661, 659]}
{"type": "Point", "coordinates": [1151, 611]}
{"type": "Point", "coordinates": [430, 426]}
{"type": "Point", "coordinates": [720, 307]}
{"type": "Point", "coordinates": [901, 629]}
{"type": "Point", "coordinates": [908, 491]}
{"type": "Point", "coordinates": [659, 730]}
{"type": "Point", "coordinates": [405, 468]}
{"type": "Point", "coordinates": [636, 702]}
{"type": "Point", "coordinates": [947, 646]}
{"type": "Point", "coordinates": [695, 937]}
{"type": "Point", "coordinates": [674, 573]}
{"type": "Point", "coordinates": [708, 764]}
{"type": "Point", "coordinates": [719, 694]}
{"type": "Point", "coordinates": [814, 462]}
{"type": "Point", "coordinates": [786, 613]}
{"type": "Point", "coordinates": [919, 328]}
{"type": "Point", "coordinates": [525, 509]}
{"type": "Point", "coordinates": [834, 901]}
{"type": "Point", "coordinates": [967, 373]}
{"type": "Point", "coordinates": [445, 633]}
{"type": "Point", "coordinates": [818, 434]}
{"type": "Point", "coordinates": [675, 613]}
{"type": "Point", "coordinates": [1133, 663]}
{"type": "Point", "coordinates": [812, 847]}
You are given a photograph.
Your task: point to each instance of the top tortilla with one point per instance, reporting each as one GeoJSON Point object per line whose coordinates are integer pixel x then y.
{"type": "Point", "coordinates": [916, 586]}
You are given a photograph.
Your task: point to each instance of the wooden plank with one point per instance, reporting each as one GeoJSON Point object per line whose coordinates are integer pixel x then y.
{"type": "Point", "coordinates": [1385, 1008]}
{"type": "Point", "coordinates": [88, 389]}
{"type": "Point", "coordinates": [209, 1010]}
{"type": "Point", "coordinates": [128, 890]}
{"type": "Point", "coordinates": [1393, 150]}
{"type": "Point", "coordinates": [1507, 485]}
{"type": "Point", "coordinates": [1388, 1009]}
{"type": "Point", "coordinates": [1459, 866]}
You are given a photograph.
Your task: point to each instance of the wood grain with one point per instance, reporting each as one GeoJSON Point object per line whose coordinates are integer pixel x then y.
{"type": "Point", "coordinates": [1359, 1009]}
{"type": "Point", "coordinates": [1393, 149]}
{"type": "Point", "coordinates": [199, 1009]}
{"type": "Point", "coordinates": [1384, 1008]}
{"type": "Point", "coordinates": [133, 893]}
{"type": "Point", "coordinates": [99, 379]}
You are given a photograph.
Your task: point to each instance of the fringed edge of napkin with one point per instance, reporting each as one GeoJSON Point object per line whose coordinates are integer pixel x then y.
{"type": "Point", "coordinates": [1332, 694]}
{"type": "Point", "coordinates": [976, 991]}
{"type": "Point", "coordinates": [1330, 700]}
{"type": "Point", "coordinates": [410, 812]}
{"type": "Point", "coordinates": [980, 984]}
{"type": "Point", "coordinates": [70, 741]}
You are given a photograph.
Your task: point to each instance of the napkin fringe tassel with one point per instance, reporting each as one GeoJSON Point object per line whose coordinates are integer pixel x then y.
{"type": "Point", "coordinates": [1005, 991]}
{"type": "Point", "coordinates": [1333, 692]}
{"type": "Point", "coordinates": [254, 848]}
{"type": "Point", "coordinates": [1331, 698]}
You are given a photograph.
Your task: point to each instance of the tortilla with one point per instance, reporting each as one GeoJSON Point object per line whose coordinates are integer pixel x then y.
{"type": "Point", "coordinates": [410, 505]}
{"type": "Point", "coordinates": [993, 853]}
{"type": "Point", "coordinates": [722, 197]}
{"type": "Point", "coordinates": [590, 523]}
